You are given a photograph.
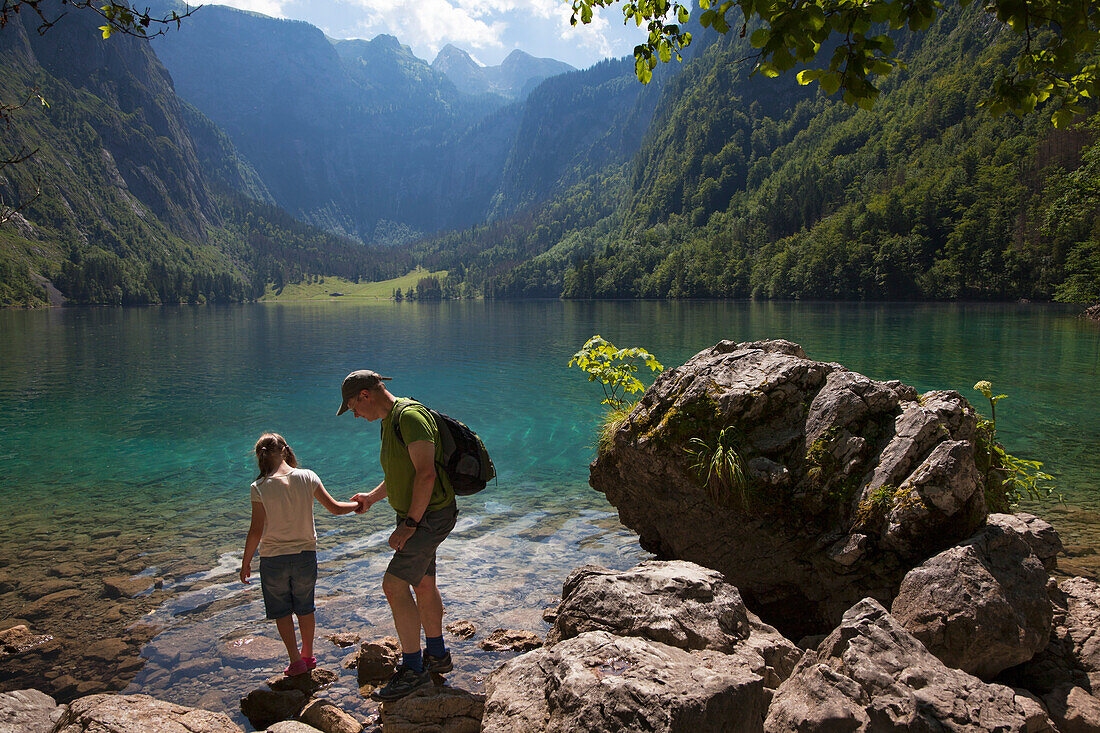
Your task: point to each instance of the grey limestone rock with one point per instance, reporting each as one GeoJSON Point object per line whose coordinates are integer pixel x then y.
{"type": "Point", "coordinates": [129, 713]}
{"type": "Point", "coordinates": [851, 481]}
{"type": "Point", "coordinates": [28, 711]}
{"type": "Point", "coordinates": [600, 682]}
{"type": "Point", "coordinates": [1040, 535]}
{"type": "Point", "coordinates": [512, 640]}
{"type": "Point", "coordinates": [327, 716]}
{"type": "Point", "coordinates": [981, 606]}
{"type": "Point", "coordinates": [291, 726]}
{"type": "Point", "coordinates": [1069, 667]}
{"type": "Point", "coordinates": [676, 603]}
{"type": "Point", "coordinates": [871, 675]}
{"type": "Point", "coordinates": [441, 709]}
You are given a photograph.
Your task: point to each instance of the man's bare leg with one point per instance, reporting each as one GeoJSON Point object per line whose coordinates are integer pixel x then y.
{"type": "Point", "coordinates": [430, 605]}
{"type": "Point", "coordinates": [406, 615]}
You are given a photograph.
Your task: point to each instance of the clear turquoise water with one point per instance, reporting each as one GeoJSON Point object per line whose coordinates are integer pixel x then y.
{"type": "Point", "coordinates": [144, 419]}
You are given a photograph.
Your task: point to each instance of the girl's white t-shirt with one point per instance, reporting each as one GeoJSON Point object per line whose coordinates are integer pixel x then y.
{"type": "Point", "coordinates": [288, 503]}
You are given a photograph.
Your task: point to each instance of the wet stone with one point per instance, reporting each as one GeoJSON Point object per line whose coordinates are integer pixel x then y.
{"type": "Point", "coordinates": [52, 603]}
{"type": "Point", "coordinates": [33, 592]}
{"type": "Point", "coordinates": [344, 638]}
{"type": "Point", "coordinates": [462, 629]}
{"type": "Point", "coordinates": [248, 650]}
{"type": "Point", "coordinates": [125, 587]}
{"type": "Point", "coordinates": [19, 639]}
{"type": "Point", "coordinates": [310, 684]}
{"type": "Point", "coordinates": [511, 640]}
{"type": "Point", "coordinates": [66, 570]}
{"type": "Point", "coordinates": [106, 650]}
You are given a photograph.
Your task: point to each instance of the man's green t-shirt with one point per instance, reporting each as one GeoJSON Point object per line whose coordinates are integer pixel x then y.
{"type": "Point", "coordinates": [416, 424]}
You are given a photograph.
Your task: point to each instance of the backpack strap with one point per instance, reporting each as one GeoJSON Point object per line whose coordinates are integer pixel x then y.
{"type": "Point", "coordinates": [397, 420]}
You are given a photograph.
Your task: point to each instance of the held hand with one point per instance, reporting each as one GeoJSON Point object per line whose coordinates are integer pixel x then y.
{"type": "Point", "coordinates": [400, 536]}
{"type": "Point", "coordinates": [246, 570]}
{"type": "Point", "coordinates": [364, 502]}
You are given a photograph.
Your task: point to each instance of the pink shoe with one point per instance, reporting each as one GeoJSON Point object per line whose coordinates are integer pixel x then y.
{"type": "Point", "coordinates": [311, 662]}
{"type": "Point", "coordinates": [297, 668]}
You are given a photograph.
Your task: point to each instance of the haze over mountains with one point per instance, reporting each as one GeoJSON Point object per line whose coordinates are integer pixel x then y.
{"type": "Point", "coordinates": [191, 180]}
{"type": "Point", "coordinates": [360, 138]}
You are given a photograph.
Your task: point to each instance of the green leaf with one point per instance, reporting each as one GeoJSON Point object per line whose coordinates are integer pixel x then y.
{"type": "Point", "coordinates": [759, 37]}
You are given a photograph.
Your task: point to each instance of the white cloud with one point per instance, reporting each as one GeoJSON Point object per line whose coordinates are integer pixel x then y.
{"type": "Point", "coordinates": [431, 24]}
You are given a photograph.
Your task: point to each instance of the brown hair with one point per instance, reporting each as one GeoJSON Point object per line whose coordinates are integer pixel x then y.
{"type": "Point", "coordinates": [271, 451]}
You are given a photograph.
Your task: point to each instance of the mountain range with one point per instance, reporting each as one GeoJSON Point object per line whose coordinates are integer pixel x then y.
{"type": "Point", "coordinates": [249, 150]}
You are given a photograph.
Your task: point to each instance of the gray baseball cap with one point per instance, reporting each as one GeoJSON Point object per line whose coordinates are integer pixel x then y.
{"type": "Point", "coordinates": [355, 382]}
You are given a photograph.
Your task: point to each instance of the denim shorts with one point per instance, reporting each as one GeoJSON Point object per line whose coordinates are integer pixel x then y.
{"type": "Point", "coordinates": [287, 582]}
{"type": "Point", "coordinates": [417, 558]}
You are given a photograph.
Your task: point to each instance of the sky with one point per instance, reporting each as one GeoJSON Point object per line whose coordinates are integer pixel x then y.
{"type": "Point", "coordinates": [487, 29]}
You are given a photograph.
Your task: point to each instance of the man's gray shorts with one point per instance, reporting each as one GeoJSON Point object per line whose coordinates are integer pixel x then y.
{"type": "Point", "coordinates": [417, 558]}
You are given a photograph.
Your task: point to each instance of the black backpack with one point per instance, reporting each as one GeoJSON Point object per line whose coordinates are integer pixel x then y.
{"type": "Point", "coordinates": [464, 459]}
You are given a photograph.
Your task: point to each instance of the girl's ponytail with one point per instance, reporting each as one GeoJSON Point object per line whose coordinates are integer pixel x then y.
{"type": "Point", "coordinates": [271, 451]}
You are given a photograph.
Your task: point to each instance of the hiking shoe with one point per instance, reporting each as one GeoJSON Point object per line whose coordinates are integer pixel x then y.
{"type": "Point", "coordinates": [403, 682]}
{"type": "Point", "coordinates": [438, 665]}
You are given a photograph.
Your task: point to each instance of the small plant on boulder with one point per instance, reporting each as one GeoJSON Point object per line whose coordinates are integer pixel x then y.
{"type": "Point", "coordinates": [1008, 479]}
{"type": "Point", "coordinates": [720, 469]}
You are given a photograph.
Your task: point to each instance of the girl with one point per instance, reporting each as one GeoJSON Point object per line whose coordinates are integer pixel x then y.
{"type": "Point", "coordinates": [282, 517]}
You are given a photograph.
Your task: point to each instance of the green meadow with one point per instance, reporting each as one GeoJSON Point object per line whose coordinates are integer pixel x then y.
{"type": "Point", "coordinates": [326, 288]}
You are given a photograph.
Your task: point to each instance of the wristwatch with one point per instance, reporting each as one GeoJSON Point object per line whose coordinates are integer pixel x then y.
{"type": "Point", "coordinates": [410, 522]}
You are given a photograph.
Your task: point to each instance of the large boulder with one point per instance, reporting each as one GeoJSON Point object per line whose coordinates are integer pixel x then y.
{"type": "Point", "coordinates": [848, 482]}
{"type": "Point", "coordinates": [676, 603]}
{"type": "Point", "coordinates": [28, 711]}
{"type": "Point", "coordinates": [872, 675]}
{"type": "Point", "coordinates": [327, 716]}
{"type": "Point", "coordinates": [600, 682]}
{"type": "Point", "coordinates": [128, 713]}
{"type": "Point", "coordinates": [981, 606]}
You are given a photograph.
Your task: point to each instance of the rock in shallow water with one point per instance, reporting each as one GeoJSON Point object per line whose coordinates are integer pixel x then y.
{"type": "Point", "coordinates": [326, 716]}
{"type": "Point", "coordinates": [828, 453]}
{"type": "Point", "coordinates": [264, 707]}
{"type": "Point", "coordinates": [503, 640]}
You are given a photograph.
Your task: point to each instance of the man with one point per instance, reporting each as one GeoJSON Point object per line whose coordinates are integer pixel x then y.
{"type": "Point", "coordinates": [426, 511]}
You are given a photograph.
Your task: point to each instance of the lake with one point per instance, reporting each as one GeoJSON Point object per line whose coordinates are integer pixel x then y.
{"type": "Point", "coordinates": [126, 436]}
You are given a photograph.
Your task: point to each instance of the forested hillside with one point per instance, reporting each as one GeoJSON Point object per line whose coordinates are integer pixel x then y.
{"type": "Point", "coordinates": [753, 187]}
{"type": "Point", "coordinates": [139, 198]}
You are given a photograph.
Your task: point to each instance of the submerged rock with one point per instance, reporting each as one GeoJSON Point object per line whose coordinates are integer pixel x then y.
{"type": "Point", "coordinates": [847, 481]}
{"type": "Point", "coordinates": [264, 707]}
{"type": "Point", "coordinates": [98, 713]}
{"type": "Point", "coordinates": [599, 682]}
{"type": "Point", "coordinates": [873, 676]}
{"type": "Point", "coordinates": [981, 606]}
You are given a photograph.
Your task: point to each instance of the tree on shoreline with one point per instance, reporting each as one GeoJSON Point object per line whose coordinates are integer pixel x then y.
{"type": "Point", "coordinates": [1057, 64]}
